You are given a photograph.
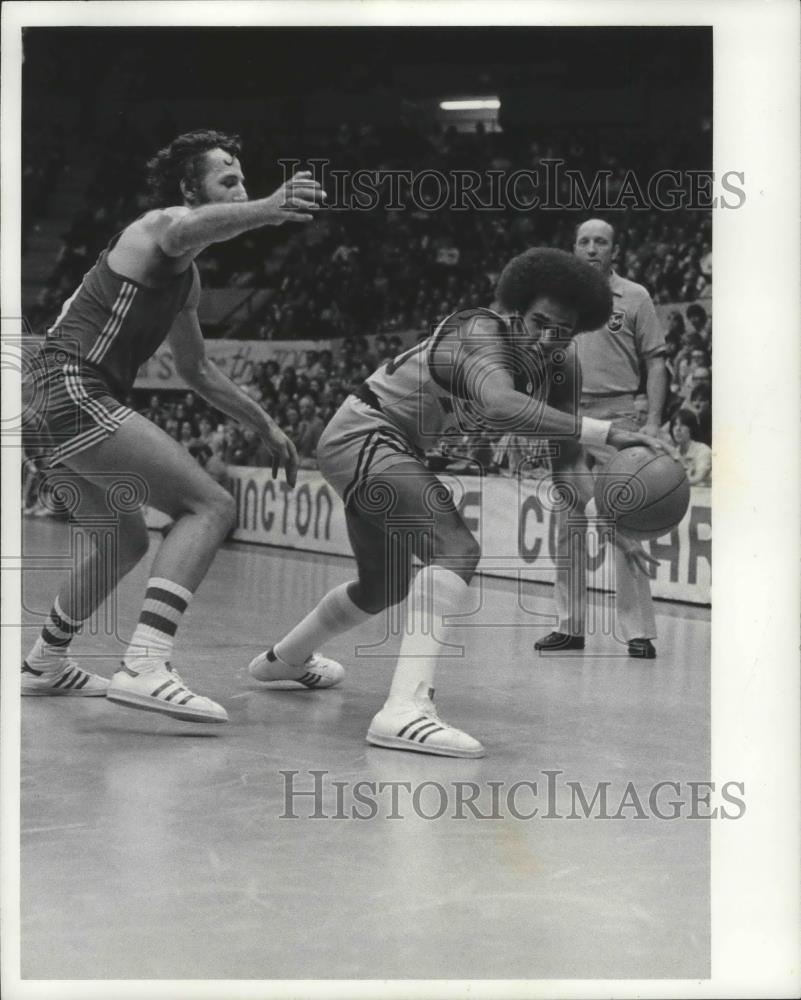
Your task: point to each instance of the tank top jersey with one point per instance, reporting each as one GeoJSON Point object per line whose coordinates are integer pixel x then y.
{"type": "Point", "coordinates": [423, 391]}
{"type": "Point", "coordinates": [114, 324]}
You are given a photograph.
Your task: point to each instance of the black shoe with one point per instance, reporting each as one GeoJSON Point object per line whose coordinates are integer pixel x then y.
{"type": "Point", "coordinates": [642, 649]}
{"type": "Point", "coordinates": [557, 641]}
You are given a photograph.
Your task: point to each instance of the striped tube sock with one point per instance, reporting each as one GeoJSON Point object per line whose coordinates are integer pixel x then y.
{"type": "Point", "coordinates": [151, 644]}
{"type": "Point", "coordinates": [336, 613]}
{"type": "Point", "coordinates": [53, 643]}
{"type": "Point", "coordinates": [59, 628]}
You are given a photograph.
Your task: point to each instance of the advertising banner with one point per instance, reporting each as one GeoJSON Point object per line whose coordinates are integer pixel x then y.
{"type": "Point", "coordinates": [236, 358]}
{"type": "Point", "coordinates": [513, 520]}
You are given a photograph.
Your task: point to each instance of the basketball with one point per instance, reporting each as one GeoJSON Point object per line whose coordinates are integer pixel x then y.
{"type": "Point", "coordinates": [647, 492]}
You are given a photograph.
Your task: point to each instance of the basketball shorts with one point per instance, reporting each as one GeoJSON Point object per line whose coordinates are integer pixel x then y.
{"type": "Point", "coordinates": [67, 407]}
{"type": "Point", "coordinates": [358, 444]}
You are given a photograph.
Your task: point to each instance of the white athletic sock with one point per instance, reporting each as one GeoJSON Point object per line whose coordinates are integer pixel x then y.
{"type": "Point", "coordinates": [435, 592]}
{"type": "Point", "coordinates": [151, 644]}
{"type": "Point", "coordinates": [336, 613]}
{"type": "Point", "coordinates": [53, 643]}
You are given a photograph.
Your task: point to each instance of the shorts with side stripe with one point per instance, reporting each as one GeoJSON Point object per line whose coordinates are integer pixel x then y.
{"type": "Point", "coordinates": [359, 443]}
{"type": "Point", "coordinates": [67, 407]}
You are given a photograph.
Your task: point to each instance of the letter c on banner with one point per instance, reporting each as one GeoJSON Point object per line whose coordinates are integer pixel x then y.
{"type": "Point", "coordinates": [267, 518]}
{"type": "Point", "coordinates": [530, 505]}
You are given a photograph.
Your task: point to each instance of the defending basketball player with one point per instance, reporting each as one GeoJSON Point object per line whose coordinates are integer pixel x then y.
{"type": "Point", "coordinates": [143, 289]}
{"type": "Point", "coordinates": [478, 370]}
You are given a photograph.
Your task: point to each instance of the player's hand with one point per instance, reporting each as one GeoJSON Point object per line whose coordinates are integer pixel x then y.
{"type": "Point", "coordinates": [632, 549]}
{"type": "Point", "coordinates": [296, 201]}
{"type": "Point", "coordinates": [650, 429]}
{"type": "Point", "coordinates": [283, 451]}
{"type": "Point", "coordinates": [619, 438]}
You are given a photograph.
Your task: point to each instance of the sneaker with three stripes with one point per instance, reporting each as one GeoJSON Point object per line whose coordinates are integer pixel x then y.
{"type": "Point", "coordinates": [316, 672]}
{"type": "Point", "coordinates": [64, 678]}
{"type": "Point", "coordinates": [419, 728]}
{"type": "Point", "coordinates": [160, 689]}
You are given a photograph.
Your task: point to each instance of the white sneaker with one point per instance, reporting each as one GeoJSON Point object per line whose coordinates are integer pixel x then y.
{"type": "Point", "coordinates": [162, 690]}
{"type": "Point", "coordinates": [317, 672]}
{"type": "Point", "coordinates": [68, 681]}
{"type": "Point", "coordinates": [419, 728]}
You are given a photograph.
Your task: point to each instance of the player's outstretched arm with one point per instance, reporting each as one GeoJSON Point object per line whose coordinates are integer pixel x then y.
{"type": "Point", "coordinates": [491, 388]}
{"type": "Point", "coordinates": [203, 376]}
{"type": "Point", "coordinates": [182, 231]}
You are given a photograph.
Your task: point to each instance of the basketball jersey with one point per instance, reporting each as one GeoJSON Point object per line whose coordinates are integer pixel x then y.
{"type": "Point", "coordinates": [423, 391]}
{"type": "Point", "coordinates": [114, 324]}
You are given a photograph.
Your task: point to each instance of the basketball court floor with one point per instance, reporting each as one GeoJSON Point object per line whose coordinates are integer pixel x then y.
{"type": "Point", "coordinates": [157, 849]}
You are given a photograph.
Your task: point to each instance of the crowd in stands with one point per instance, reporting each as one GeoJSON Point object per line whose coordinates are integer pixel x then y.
{"type": "Point", "coordinates": [357, 271]}
{"type": "Point", "coordinates": [303, 398]}
{"type": "Point", "coordinates": [43, 159]}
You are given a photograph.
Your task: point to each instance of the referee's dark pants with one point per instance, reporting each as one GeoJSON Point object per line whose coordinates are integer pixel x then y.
{"type": "Point", "coordinates": [634, 607]}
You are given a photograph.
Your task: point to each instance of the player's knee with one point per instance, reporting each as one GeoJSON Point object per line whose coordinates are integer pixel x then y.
{"type": "Point", "coordinates": [224, 510]}
{"type": "Point", "coordinates": [219, 508]}
{"type": "Point", "coordinates": [461, 556]}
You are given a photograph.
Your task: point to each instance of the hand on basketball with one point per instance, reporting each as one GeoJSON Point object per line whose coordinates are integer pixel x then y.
{"type": "Point", "coordinates": [283, 451]}
{"type": "Point", "coordinates": [619, 438]}
{"type": "Point", "coordinates": [296, 201]}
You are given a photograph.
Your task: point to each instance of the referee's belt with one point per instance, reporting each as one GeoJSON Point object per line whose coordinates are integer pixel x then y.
{"type": "Point", "coordinates": [366, 395]}
{"type": "Point", "coordinates": [607, 395]}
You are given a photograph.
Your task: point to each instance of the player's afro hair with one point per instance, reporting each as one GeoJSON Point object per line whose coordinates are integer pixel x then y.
{"type": "Point", "coordinates": [560, 276]}
{"type": "Point", "coordinates": [182, 161]}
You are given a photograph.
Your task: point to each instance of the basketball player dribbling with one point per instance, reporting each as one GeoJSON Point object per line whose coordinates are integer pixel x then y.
{"type": "Point", "coordinates": [143, 288]}
{"type": "Point", "coordinates": [481, 370]}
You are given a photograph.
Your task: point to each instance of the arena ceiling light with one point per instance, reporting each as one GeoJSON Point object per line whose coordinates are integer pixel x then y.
{"type": "Point", "coordinates": [472, 104]}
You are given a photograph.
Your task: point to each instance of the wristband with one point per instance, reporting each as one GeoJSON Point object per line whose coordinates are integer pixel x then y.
{"type": "Point", "coordinates": [594, 432]}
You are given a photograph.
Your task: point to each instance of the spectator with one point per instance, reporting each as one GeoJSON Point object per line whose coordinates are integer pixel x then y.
{"type": "Point", "coordinates": [699, 322]}
{"type": "Point", "coordinates": [695, 456]}
{"type": "Point", "coordinates": [234, 449]}
{"type": "Point", "coordinates": [187, 436]}
{"type": "Point", "coordinates": [701, 405]}
{"type": "Point", "coordinates": [309, 430]}
{"type": "Point", "coordinates": [641, 410]}
{"type": "Point", "coordinates": [292, 423]}
{"type": "Point", "coordinates": [698, 361]}
{"type": "Point", "coordinates": [153, 408]}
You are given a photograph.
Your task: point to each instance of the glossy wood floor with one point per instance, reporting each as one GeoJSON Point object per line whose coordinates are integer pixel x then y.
{"type": "Point", "coordinates": [155, 849]}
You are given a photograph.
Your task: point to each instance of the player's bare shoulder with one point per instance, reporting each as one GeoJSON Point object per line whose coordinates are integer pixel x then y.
{"type": "Point", "coordinates": [468, 331]}
{"type": "Point", "coordinates": [155, 224]}
{"type": "Point", "coordinates": [139, 252]}
{"type": "Point", "coordinates": [466, 345]}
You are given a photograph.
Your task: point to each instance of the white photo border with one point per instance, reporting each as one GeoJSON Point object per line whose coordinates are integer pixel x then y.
{"type": "Point", "coordinates": [756, 595]}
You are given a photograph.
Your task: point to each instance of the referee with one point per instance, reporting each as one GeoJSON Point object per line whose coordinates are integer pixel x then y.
{"type": "Point", "coordinates": [613, 360]}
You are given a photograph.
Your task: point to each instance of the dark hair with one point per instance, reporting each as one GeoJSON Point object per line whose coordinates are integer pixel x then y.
{"type": "Point", "coordinates": [701, 392]}
{"type": "Point", "coordinates": [560, 276]}
{"type": "Point", "coordinates": [182, 161]}
{"type": "Point", "coordinates": [689, 419]}
{"type": "Point", "coordinates": [696, 310]}
{"type": "Point", "coordinates": [676, 318]}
